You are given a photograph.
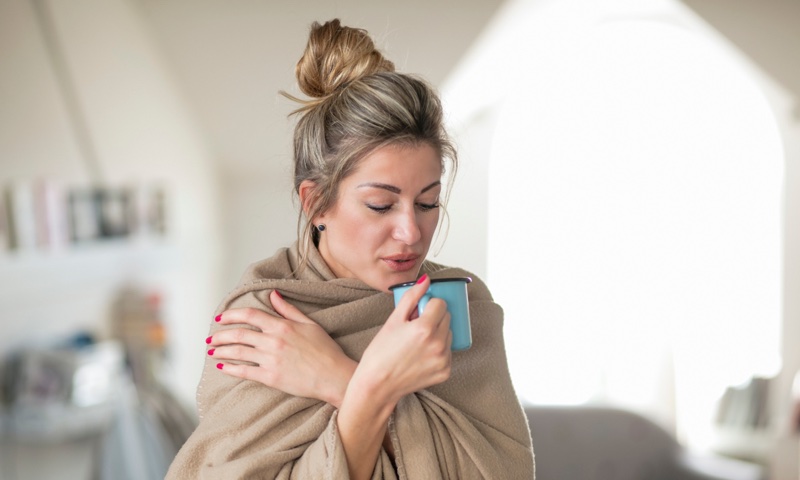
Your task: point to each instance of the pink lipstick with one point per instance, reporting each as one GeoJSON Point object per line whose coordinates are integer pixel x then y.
{"type": "Point", "coordinates": [401, 263]}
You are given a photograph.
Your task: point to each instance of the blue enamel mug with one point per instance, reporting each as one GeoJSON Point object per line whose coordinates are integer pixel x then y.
{"type": "Point", "coordinates": [454, 292]}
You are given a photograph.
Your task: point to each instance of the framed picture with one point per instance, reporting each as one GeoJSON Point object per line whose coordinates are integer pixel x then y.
{"type": "Point", "coordinates": [115, 212]}
{"type": "Point", "coordinates": [150, 206]}
{"type": "Point", "coordinates": [84, 220]}
{"type": "Point", "coordinates": [157, 211]}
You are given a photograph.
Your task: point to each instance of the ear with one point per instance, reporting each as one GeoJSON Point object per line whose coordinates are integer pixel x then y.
{"type": "Point", "coordinates": [307, 193]}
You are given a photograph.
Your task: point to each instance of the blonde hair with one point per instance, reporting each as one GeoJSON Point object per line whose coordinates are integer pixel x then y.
{"type": "Point", "coordinates": [358, 104]}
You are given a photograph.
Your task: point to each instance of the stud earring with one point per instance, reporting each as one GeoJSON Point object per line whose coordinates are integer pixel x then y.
{"type": "Point", "coordinates": [321, 227]}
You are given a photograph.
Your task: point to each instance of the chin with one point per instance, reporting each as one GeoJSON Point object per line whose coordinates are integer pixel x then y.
{"type": "Point", "coordinates": [382, 278]}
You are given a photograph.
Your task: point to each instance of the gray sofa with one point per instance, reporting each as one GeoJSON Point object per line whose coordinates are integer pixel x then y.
{"type": "Point", "coordinates": [603, 443]}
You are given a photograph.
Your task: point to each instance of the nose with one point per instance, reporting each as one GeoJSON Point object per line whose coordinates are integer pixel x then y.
{"type": "Point", "coordinates": [406, 229]}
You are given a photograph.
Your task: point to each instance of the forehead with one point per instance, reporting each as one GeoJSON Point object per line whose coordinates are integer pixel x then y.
{"type": "Point", "coordinates": [400, 163]}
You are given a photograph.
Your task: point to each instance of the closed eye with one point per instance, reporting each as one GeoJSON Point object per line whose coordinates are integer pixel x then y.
{"type": "Point", "coordinates": [379, 208]}
{"type": "Point", "coordinates": [425, 207]}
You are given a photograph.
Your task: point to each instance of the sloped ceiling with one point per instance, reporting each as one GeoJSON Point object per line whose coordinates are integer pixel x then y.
{"type": "Point", "coordinates": [766, 31]}
{"type": "Point", "coordinates": [231, 58]}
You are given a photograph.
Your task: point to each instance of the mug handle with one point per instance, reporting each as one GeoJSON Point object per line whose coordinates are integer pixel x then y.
{"type": "Point", "coordinates": [423, 302]}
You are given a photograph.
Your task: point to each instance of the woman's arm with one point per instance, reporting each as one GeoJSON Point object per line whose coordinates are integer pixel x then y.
{"type": "Point", "coordinates": [330, 372]}
{"type": "Point", "coordinates": [291, 353]}
{"type": "Point", "coordinates": [405, 356]}
{"type": "Point", "coordinates": [295, 355]}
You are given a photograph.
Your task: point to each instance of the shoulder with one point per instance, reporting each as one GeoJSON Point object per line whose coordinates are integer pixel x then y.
{"type": "Point", "coordinates": [477, 287]}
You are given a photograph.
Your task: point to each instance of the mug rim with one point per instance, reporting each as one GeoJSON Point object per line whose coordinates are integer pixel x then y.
{"type": "Point", "coordinates": [433, 280]}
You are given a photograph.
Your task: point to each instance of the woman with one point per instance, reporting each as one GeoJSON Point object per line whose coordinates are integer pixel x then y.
{"type": "Point", "coordinates": [311, 371]}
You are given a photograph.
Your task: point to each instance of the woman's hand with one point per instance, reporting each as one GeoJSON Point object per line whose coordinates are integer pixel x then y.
{"type": "Point", "coordinates": [409, 354]}
{"type": "Point", "coordinates": [292, 354]}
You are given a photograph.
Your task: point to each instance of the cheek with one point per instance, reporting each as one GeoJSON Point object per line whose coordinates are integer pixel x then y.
{"type": "Point", "coordinates": [427, 228]}
{"type": "Point", "coordinates": [365, 230]}
{"type": "Point", "coordinates": [429, 223]}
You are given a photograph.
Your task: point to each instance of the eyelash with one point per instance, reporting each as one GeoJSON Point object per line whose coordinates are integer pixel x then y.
{"type": "Point", "coordinates": [425, 207]}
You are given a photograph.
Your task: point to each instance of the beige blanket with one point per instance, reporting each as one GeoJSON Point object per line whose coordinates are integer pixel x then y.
{"type": "Point", "coordinates": [471, 426]}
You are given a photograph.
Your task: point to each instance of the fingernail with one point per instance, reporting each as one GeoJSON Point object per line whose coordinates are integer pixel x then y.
{"type": "Point", "coordinates": [279, 294]}
{"type": "Point", "coordinates": [422, 278]}
{"type": "Point", "coordinates": [208, 340]}
{"type": "Point", "coordinates": [218, 318]}
{"type": "Point", "coordinates": [211, 352]}
{"type": "Point", "coordinates": [219, 366]}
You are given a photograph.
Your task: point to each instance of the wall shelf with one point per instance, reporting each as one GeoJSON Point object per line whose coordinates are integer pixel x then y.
{"type": "Point", "coordinates": [753, 445]}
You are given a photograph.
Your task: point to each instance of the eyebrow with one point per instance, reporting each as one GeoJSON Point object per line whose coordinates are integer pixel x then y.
{"type": "Point", "coordinates": [393, 189]}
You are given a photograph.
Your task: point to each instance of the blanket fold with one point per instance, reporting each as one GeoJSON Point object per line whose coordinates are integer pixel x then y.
{"type": "Point", "coordinates": [471, 426]}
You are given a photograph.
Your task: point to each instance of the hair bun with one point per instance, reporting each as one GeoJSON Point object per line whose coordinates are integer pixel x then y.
{"type": "Point", "coordinates": [335, 56]}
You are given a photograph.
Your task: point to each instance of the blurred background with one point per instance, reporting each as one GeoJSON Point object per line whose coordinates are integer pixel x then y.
{"type": "Point", "coordinates": [629, 188]}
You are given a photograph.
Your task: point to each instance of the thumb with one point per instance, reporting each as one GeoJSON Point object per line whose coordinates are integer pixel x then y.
{"type": "Point", "coordinates": [287, 310]}
{"type": "Point", "coordinates": [408, 303]}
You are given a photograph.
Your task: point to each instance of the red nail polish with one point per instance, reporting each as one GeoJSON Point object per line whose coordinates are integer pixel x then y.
{"type": "Point", "coordinates": [279, 294]}
{"type": "Point", "coordinates": [218, 318]}
{"type": "Point", "coordinates": [219, 366]}
{"type": "Point", "coordinates": [211, 352]}
{"type": "Point", "coordinates": [208, 340]}
{"type": "Point", "coordinates": [422, 278]}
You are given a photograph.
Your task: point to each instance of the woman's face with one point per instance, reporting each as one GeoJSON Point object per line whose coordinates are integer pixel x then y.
{"type": "Point", "coordinates": [382, 224]}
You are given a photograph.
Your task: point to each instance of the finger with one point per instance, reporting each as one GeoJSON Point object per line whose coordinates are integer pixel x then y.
{"type": "Point", "coordinates": [249, 316]}
{"type": "Point", "coordinates": [435, 311]}
{"type": "Point", "coordinates": [246, 372]}
{"type": "Point", "coordinates": [238, 353]}
{"type": "Point", "coordinates": [239, 336]}
{"type": "Point", "coordinates": [259, 319]}
{"type": "Point", "coordinates": [408, 303]}
{"type": "Point", "coordinates": [444, 324]}
{"type": "Point", "coordinates": [287, 310]}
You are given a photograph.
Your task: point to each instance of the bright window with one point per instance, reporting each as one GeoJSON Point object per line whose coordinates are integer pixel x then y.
{"type": "Point", "coordinates": [635, 223]}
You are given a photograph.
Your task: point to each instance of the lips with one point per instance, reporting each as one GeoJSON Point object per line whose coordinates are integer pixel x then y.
{"type": "Point", "coordinates": [401, 262]}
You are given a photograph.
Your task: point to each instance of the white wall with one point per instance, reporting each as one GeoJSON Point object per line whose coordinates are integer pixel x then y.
{"type": "Point", "coordinates": [32, 104]}
{"type": "Point", "coordinates": [140, 131]}
{"type": "Point", "coordinates": [260, 217]}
